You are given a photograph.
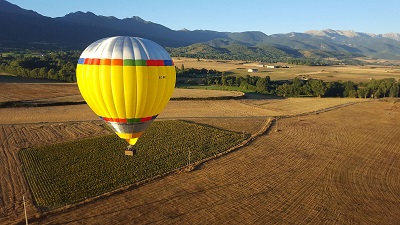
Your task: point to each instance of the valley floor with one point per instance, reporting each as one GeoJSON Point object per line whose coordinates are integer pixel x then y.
{"type": "Point", "coordinates": [335, 167]}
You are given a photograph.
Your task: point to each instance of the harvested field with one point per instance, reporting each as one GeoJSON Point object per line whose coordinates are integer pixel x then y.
{"type": "Point", "coordinates": [182, 109]}
{"type": "Point", "coordinates": [69, 92]}
{"type": "Point", "coordinates": [337, 167]}
{"type": "Point", "coordinates": [297, 106]}
{"type": "Point", "coordinates": [249, 125]}
{"type": "Point", "coordinates": [39, 91]}
{"type": "Point", "coordinates": [200, 93]}
{"type": "Point", "coordinates": [340, 166]}
{"type": "Point", "coordinates": [252, 108]}
{"type": "Point", "coordinates": [326, 73]}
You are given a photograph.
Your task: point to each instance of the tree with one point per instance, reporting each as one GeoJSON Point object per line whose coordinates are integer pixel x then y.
{"type": "Point", "coordinates": [51, 74]}
{"type": "Point", "coordinates": [394, 90]}
{"type": "Point", "coordinates": [236, 81]}
{"type": "Point", "coordinates": [229, 81]}
{"type": "Point", "coordinates": [297, 87]}
{"type": "Point", "coordinates": [223, 80]}
{"type": "Point", "coordinates": [363, 92]}
{"type": "Point", "coordinates": [385, 85]}
{"type": "Point", "coordinates": [316, 88]}
{"type": "Point", "coordinates": [283, 90]}
{"type": "Point", "coordinates": [43, 72]}
{"type": "Point", "coordinates": [334, 89]}
{"type": "Point", "coordinates": [35, 73]}
{"type": "Point", "coordinates": [216, 81]}
{"type": "Point", "coordinates": [262, 85]}
{"type": "Point", "coordinates": [350, 89]}
{"type": "Point", "coordinates": [373, 86]}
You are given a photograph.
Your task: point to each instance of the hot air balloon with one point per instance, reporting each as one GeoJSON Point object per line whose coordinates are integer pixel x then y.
{"type": "Point", "coordinates": [127, 82]}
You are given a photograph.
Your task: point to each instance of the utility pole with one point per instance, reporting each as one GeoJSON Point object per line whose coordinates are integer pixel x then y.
{"type": "Point", "coordinates": [189, 158]}
{"type": "Point", "coordinates": [26, 217]}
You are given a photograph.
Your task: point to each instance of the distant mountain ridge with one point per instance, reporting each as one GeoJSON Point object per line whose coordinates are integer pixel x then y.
{"type": "Point", "coordinates": [77, 30]}
{"type": "Point", "coordinates": [351, 34]}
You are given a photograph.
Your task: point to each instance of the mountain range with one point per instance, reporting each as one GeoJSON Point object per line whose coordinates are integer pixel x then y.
{"type": "Point", "coordinates": [22, 27]}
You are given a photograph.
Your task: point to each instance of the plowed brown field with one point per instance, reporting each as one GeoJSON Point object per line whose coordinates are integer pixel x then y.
{"type": "Point", "coordinates": [57, 92]}
{"type": "Point", "coordinates": [29, 91]}
{"type": "Point", "coordinates": [337, 167]}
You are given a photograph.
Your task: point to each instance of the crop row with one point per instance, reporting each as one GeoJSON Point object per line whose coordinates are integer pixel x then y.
{"type": "Point", "coordinates": [70, 172]}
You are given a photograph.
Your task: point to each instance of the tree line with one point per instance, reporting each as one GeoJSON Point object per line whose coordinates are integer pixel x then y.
{"type": "Point", "coordinates": [296, 87]}
{"type": "Point", "coordinates": [193, 72]}
{"type": "Point", "coordinates": [387, 87]}
{"type": "Point", "coordinates": [59, 65]}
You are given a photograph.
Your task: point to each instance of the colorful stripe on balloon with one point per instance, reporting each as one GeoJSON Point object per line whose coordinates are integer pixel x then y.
{"type": "Point", "coordinates": [129, 120]}
{"type": "Point", "coordinates": [125, 62]}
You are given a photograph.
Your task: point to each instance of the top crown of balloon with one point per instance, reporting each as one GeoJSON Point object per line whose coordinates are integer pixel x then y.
{"type": "Point", "coordinates": [125, 51]}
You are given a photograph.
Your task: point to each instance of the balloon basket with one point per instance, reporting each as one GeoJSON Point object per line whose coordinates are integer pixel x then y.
{"type": "Point", "coordinates": [130, 151]}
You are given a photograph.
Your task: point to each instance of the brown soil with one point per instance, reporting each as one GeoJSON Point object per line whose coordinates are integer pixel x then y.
{"type": "Point", "coordinates": [58, 92]}
{"type": "Point", "coordinates": [30, 91]}
{"type": "Point", "coordinates": [180, 109]}
{"type": "Point", "coordinates": [337, 167]}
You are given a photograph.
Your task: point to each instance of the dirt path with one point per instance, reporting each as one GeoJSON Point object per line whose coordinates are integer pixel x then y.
{"type": "Point", "coordinates": [337, 167]}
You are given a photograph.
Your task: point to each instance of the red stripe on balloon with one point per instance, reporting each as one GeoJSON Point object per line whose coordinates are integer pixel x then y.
{"type": "Point", "coordinates": [154, 62]}
{"type": "Point", "coordinates": [95, 61]}
{"type": "Point", "coordinates": [125, 120]}
{"type": "Point", "coordinates": [146, 119]}
{"type": "Point", "coordinates": [120, 120]}
{"type": "Point", "coordinates": [120, 62]}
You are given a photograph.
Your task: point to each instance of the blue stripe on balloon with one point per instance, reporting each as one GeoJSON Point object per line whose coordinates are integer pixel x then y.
{"type": "Point", "coordinates": [168, 63]}
{"type": "Point", "coordinates": [81, 60]}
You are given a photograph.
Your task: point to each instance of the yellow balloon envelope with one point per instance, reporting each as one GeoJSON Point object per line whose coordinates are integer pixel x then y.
{"type": "Point", "coordinates": [127, 81]}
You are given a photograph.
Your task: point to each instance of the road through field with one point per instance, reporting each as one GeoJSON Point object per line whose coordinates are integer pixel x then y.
{"type": "Point", "coordinates": [337, 167]}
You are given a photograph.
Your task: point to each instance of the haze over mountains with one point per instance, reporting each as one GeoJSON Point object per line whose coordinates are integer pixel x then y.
{"type": "Point", "coordinates": [21, 27]}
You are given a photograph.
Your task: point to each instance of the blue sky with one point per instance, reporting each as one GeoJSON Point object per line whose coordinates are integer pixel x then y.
{"type": "Point", "coordinates": [270, 17]}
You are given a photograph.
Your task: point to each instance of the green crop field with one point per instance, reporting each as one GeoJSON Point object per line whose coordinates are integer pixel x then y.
{"type": "Point", "coordinates": [66, 173]}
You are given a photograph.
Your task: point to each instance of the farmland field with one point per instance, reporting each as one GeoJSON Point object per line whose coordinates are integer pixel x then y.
{"type": "Point", "coordinates": [69, 172]}
{"type": "Point", "coordinates": [326, 73]}
{"type": "Point", "coordinates": [59, 92]}
{"type": "Point", "coordinates": [337, 166]}
{"type": "Point", "coordinates": [182, 109]}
